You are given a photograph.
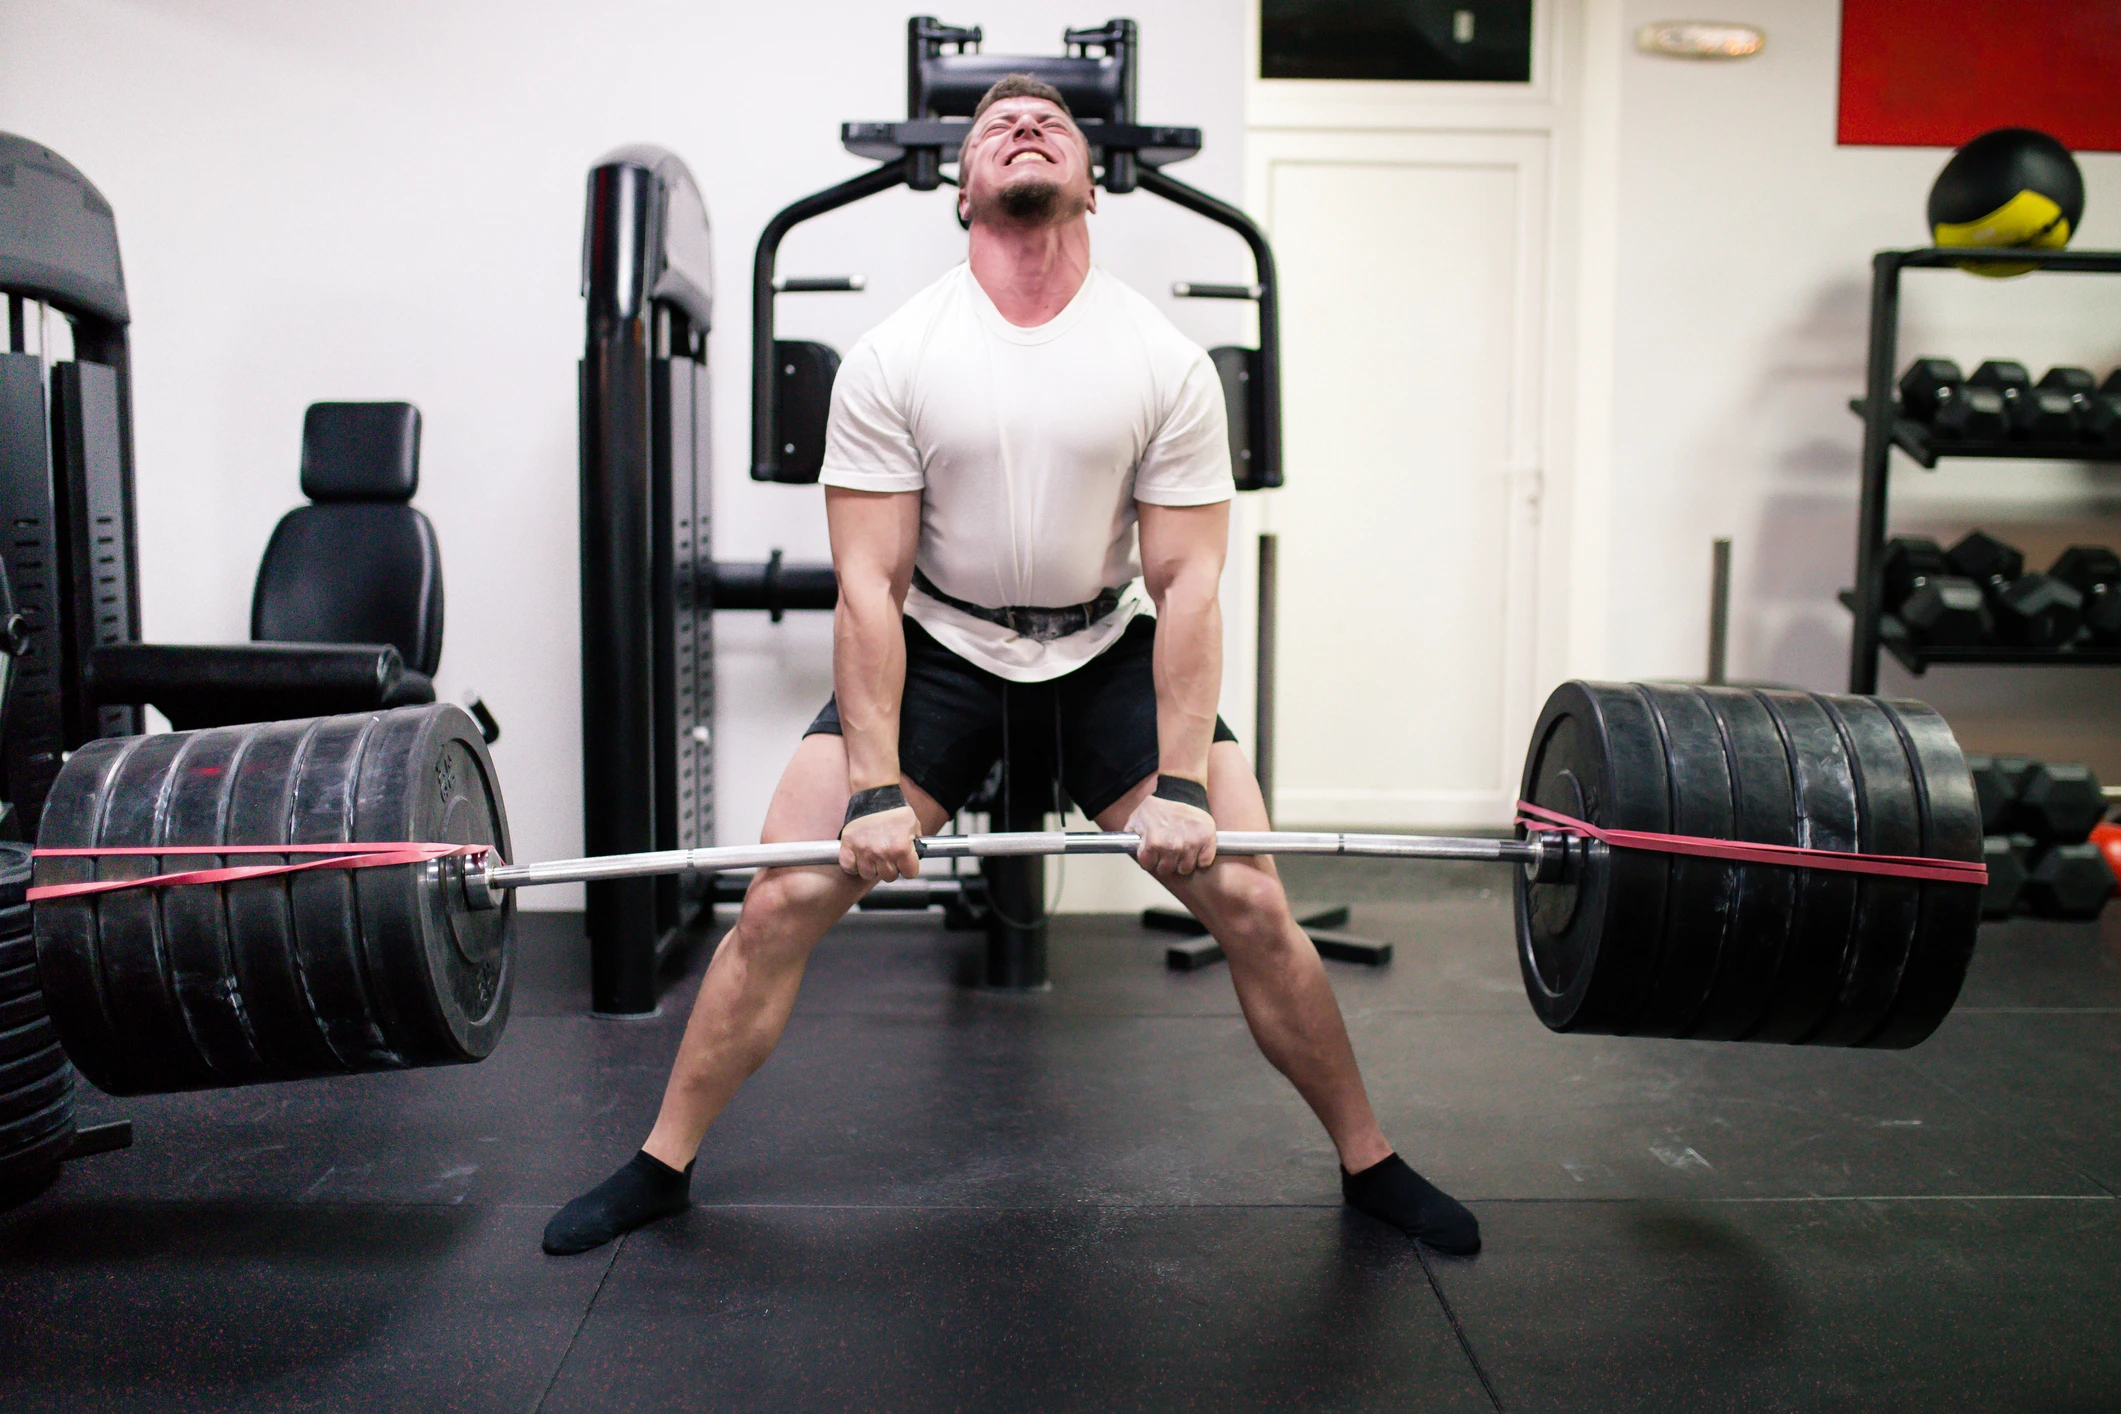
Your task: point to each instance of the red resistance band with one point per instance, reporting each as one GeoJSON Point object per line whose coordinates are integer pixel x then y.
{"type": "Point", "coordinates": [336, 856]}
{"type": "Point", "coordinates": [1893, 866]}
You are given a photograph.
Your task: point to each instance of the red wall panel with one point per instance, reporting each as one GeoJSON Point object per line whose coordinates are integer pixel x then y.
{"type": "Point", "coordinates": [1933, 73]}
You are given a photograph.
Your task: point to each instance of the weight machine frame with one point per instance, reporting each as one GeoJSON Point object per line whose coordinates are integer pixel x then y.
{"type": "Point", "coordinates": [946, 75]}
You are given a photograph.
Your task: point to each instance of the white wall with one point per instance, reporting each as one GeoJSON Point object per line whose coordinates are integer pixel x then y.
{"type": "Point", "coordinates": [1744, 238]}
{"type": "Point", "coordinates": [384, 200]}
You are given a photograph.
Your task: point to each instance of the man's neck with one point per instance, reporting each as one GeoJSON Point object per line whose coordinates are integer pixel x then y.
{"type": "Point", "coordinates": [1030, 272]}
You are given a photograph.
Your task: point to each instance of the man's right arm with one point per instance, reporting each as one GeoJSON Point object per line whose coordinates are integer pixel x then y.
{"type": "Point", "coordinates": [874, 535]}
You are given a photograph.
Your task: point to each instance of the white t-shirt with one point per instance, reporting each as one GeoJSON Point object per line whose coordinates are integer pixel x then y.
{"type": "Point", "coordinates": [1030, 448]}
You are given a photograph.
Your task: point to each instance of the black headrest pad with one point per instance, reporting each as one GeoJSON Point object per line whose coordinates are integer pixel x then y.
{"type": "Point", "coordinates": [361, 452]}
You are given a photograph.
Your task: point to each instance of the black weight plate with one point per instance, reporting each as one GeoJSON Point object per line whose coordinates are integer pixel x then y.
{"type": "Point", "coordinates": [1950, 914]}
{"type": "Point", "coordinates": [21, 981]}
{"type": "Point", "coordinates": [15, 874]}
{"type": "Point", "coordinates": [29, 1069]}
{"type": "Point", "coordinates": [1585, 944]}
{"type": "Point", "coordinates": [21, 1132]}
{"type": "Point", "coordinates": [1764, 908]}
{"type": "Point", "coordinates": [17, 922]}
{"type": "Point", "coordinates": [1825, 930]}
{"type": "Point", "coordinates": [328, 922]}
{"type": "Point", "coordinates": [441, 971]}
{"type": "Point", "coordinates": [1699, 891]}
{"type": "Point", "coordinates": [18, 952]}
{"type": "Point", "coordinates": [26, 1169]}
{"type": "Point", "coordinates": [275, 996]}
{"type": "Point", "coordinates": [33, 1035]}
{"type": "Point", "coordinates": [194, 918]}
{"type": "Point", "coordinates": [1886, 908]}
{"type": "Point", "coordinates": [69, 945]}
{"type": "Point", "coordinates": [22, 1005]}
{"type": "Point", "coordinates": [137, 987]}
{"type": "Point", "coordinates": [52, 1087]}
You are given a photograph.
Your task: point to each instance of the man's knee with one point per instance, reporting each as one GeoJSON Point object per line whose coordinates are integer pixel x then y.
{"type": "Point", "coordinates": [1246, 902]}
{"type": "Point", "coordinates": [778, 898]}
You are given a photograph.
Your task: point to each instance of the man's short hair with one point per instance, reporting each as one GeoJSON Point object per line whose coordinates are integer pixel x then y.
{"type": "Point", "coordinates": [1013, 86]}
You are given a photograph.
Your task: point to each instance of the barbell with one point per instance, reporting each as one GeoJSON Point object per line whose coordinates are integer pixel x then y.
{"type": "Point", "coordinates": [1714, 863]}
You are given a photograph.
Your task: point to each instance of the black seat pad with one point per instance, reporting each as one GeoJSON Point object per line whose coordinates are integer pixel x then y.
{"type": "Point", "coordinates": [353, 572]}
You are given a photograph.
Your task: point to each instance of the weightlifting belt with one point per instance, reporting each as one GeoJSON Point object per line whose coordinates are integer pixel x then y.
{"type": "Point", "coordinates": [1027, 621]}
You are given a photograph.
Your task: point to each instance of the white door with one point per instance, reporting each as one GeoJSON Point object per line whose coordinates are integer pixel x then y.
{"type": "Point", "coordinates": [1414, 351]}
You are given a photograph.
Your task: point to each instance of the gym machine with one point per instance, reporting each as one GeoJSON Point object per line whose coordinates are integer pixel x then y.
{"type": "Point", "coordinates": [791, 381]}
{"type": "Point", "coordinates": [650, 584]}
{"type": "Point", "coordinates": [66, 463]}
{"type": "Point", "coordinates": [66, 490]}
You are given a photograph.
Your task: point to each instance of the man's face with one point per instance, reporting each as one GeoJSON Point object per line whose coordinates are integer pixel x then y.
{"type": "Point", "coordinates": [1027, 165]}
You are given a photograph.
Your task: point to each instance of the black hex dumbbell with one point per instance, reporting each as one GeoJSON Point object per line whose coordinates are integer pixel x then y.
{"type": "Point", "coordinates": [2098, 413]}
{"type": "Point", "coordinates": [2058, 803]}
{"type": "Point", "coordinates": [2006, 877]}
{"type": "Point", "coordinates": [2033, 414]}
{"type": "Point", "coordinates": [2068, 881]}
{"type": "Point", "coordinates": [2100, 421]}
{"type": "Point", "coordinates": [1997, 781]}
{"type": "Point", "coordinates": [1937, 604]}
{"type": "Point", "coordinates": [1933, 391]}
{"type": "Point", "coordinates": [2095, 573]}
{"type": "Point", "coordinates": [2031, 610]}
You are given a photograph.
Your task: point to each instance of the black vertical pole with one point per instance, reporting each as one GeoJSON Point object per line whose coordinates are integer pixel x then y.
{"type": "Point", "coordinates": [671, 445]}
{"type": "Point", "coordinates": [1877, 453]}
{"type": "Point", "coordinates": [1263, 684]}
{"type": "Point", "coordinates": [1719, 612]}
{"type": "Point", "coordinates": [618, 564]}
{"type": "Point", "coordinates": [1016, 887]}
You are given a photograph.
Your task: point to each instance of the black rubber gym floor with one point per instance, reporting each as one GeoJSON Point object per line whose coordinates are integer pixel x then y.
{"type": "Point", "coordinates": [1100, 1198]}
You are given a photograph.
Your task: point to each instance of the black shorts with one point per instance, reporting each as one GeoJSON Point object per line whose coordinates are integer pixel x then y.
{"type": "Point", "coordinates": [1094, 728]}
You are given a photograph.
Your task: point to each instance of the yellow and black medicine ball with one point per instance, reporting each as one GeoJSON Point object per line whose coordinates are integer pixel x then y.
{"type": "Point", "coordinates": [2010, 187]}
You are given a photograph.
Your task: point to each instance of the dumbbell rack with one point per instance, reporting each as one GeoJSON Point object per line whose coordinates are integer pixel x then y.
{"type": "Point", "coordinates": [1884, 428]}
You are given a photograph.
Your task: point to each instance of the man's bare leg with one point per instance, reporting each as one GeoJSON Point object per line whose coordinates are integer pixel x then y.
{"type": "Point", "coordinates": [744, 1000]}
{"type": "Point", "coordinates": [1289, 1005]}
{"type": "Point", "coordinates": [749, 990]}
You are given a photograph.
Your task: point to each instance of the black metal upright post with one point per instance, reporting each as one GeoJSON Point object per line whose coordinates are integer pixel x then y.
{"type": "Point", "coordinates": [1877, 451]}
{"type": "Point", "coordinates": [647, 643]}
{"type": "Point", "coordinates": [1264, 668]}
{"type": "Point", "coordinates": [618, 569]}
{"type": "Point", "coordinates": [1016, 887]}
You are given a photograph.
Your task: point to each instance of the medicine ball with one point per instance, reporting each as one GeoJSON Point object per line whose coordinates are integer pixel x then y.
{"type": "Point", "coordinates": [2010, 187]}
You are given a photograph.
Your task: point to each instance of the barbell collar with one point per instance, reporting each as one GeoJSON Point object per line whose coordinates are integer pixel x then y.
{"type": "Point", "coordinates": [1542, 855]}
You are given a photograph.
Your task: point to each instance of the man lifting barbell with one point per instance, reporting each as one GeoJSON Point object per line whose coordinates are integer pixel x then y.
{"type": "Point", "coordinates": [993, 444]}
{"type": "Point", "coordinates": [287, 900]}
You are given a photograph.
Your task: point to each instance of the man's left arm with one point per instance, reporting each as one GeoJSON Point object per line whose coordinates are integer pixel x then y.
{"type": "Point", "coordinates": [1182, 551]}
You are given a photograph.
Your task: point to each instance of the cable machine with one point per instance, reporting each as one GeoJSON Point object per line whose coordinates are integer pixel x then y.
{"type": "Point", "coordinates": [649, 583]}
{"type": "Point", "coordinates": [791, 381]}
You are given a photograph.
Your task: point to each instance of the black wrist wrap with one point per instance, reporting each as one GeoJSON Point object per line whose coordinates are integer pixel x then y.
{"type": "Point", "coordinates": [1183, 791]}
{"type": "Point", "coordinates": [873, 801]}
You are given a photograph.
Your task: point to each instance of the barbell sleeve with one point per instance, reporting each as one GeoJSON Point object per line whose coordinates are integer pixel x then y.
{"type": "Point", "coordinates": [1537, 851]}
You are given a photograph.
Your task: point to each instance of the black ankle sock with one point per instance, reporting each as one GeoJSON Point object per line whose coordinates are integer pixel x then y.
{"type": "Point", "coordinates": [643, 1190]}
{"type": "Point", "coordinates": [1390, 1191]}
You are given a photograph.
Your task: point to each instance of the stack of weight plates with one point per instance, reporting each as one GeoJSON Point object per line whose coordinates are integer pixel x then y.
{"type": "Point", "coordinates": [324, 972]}
{"type": "Point", "coordinates": [1634, 942]}
{"type": "Point", "coordinates": [36, 1083]}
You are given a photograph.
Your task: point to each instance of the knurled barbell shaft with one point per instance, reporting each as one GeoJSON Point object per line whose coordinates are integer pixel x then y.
{"type": "Point", "coordinates": [1532, 852]}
